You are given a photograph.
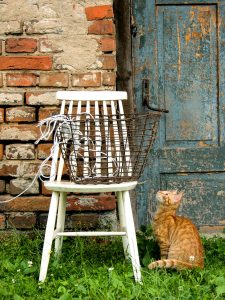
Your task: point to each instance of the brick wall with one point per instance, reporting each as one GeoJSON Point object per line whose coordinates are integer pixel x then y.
{"type": "Point", "coordinates": [46, 46]}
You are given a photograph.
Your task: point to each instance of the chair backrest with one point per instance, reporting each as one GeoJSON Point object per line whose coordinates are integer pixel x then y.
{"type": "Point", "coordinates": [95, 115]}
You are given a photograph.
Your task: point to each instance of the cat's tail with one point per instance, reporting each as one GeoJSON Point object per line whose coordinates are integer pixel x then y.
{"type": "Point", "coordinates": [173, 263]}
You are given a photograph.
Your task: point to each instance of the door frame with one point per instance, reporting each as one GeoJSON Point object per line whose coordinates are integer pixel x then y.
{"type": "Point", "coordinates": [126, 31]}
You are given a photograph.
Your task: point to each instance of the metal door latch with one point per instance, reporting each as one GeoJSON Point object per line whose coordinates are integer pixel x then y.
{"type": "Point", "coordinates": [146, 97]}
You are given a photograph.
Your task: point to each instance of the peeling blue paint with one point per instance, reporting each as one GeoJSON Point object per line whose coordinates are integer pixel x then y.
{"type": "Point", "coordinates": [181, 50]}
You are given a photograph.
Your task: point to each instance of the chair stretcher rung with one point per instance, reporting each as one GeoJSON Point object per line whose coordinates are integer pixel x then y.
{"type": "Point", "coordinates": [92, 233]}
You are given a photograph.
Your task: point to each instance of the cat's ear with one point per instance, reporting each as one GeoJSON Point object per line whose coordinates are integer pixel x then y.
{"type": "Point", "coordinates": [178, 197]}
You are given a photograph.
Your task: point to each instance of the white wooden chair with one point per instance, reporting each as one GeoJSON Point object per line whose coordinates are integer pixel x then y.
{"type": "Point", "coordinates": [78, 102]}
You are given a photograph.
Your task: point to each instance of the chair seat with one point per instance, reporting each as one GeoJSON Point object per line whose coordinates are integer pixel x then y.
{"type": "Point", "coordinates": [67, 186]}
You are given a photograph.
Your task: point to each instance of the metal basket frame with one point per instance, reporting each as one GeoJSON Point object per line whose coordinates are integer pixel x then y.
{"type": "Point", "coordinates": [106, 149]}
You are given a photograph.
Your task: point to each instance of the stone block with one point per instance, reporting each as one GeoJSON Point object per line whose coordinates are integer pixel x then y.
{"type": "Point", "coordinates": [11, 27]}
{"type": "Point", "coordinates": [19, 185]}
{"type": "Point", "coordinates": [41, 98]}
{"type": "Point", "coordinates": [22, 132]}
{"type": "Point", "coordinates": [87, 80]}
{"type": "Point", "coordinates": [2, 186]}
{"type": "Point", "coordinates": [21, 114]}
{"type": "Point", "coordinates": [7, 98]}
{"type": "Point", "coordinates": [20, 151]}
{"type": "Point", "coordinates": [43, 26]}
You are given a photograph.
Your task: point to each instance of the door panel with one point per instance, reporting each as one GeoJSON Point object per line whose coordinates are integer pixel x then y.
{"type": "Point", "coordinates": [188, 73]}
{"type": "Point", "coordinates": [200, 191]}
{"type": "Point", "coordinates": [203, 159]}
{"type": "Point", "coordinates": [180, 48]}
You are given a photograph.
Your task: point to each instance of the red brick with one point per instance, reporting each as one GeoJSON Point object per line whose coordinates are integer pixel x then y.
{"type": "Point", "coordinates": [45, 191]}
{"type": "Point", "coordinates": [54, 79]}
{"type": "Point", "coordinates": [108, 62]}
{"type": "Point", "coordinates": [25, 63]}
{"type": "Point", "coordinates": [45, 112]}
{"type": "Point", "coordinates": [84, 221]}
{"type": "Point", "coordinates": [107, 44]}
{"type": "Point", "coordinates": [17, 79]}
{"type": "Point", "coordinates": [25, 203]}
{"type": "Point", "coordinates": [87, 221]}
{"type": "Point", "coordinates": [25, 220]}
{"type": "Point", "coordinates": [74, 203]}
{"type": "Point", "coordinates": [1, 151]}
{"type": "Point", "coordinates": [21, 114]}
{"type": "Point", "coordinates": [91, 203]}
{"type": "Point", "coordinates": [109, 79]}
{"type": "Point", "coordinates": [20, 45]}
{"type": "Point", "coordinates": [99, 12]}
{"type": "Point", "coordinates": [2, 221]}
{"type": "Point", "coordinates": [23, 132]}
{"type": "Point", "coordinates": [102, 27]}
{"type": "Point", "coordinates": [2, 115]}
{"type": "Point", "coordinates": [9, 168]}
{"type": "Point", "coordinates": [87, 80]}
{"type": "Point", "coordinates": [44, 150]}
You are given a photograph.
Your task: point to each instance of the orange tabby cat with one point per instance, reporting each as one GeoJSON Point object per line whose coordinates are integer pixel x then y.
{"type": "Point", "coordinates": [178, 238]}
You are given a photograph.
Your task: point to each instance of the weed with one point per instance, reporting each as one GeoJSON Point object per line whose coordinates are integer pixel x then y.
{"type": "Point", "coordinates": [96, 269]}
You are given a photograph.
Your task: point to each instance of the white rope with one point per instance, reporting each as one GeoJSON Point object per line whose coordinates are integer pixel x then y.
{"type": "Point", "coordinates": [51, 123]}
{"type": "Point", "coordinates": [64, 123]}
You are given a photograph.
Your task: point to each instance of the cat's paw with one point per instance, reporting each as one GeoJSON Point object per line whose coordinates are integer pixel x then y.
{"type": "Point", "coordinates": [152, 265]}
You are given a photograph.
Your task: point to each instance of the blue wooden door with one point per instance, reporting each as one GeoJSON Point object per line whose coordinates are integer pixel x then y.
{"type": "Point", "coordinates": [180, 48]}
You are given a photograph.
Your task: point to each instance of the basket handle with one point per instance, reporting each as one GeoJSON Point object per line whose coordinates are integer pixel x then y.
{"type": "Point", "coordinates": [146, 97]}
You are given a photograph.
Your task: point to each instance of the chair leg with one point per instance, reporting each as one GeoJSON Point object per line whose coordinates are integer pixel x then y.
{"type": "Point", "coordinates": [122, 222]}
{"type": "Point", "coordinates": [49, 235]}
{"type": "Point", "coordinates": [131, 235]}
{"type": "Point", "coordinates": [60, 223]}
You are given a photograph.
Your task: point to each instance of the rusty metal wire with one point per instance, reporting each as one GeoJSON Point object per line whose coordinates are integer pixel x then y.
{"type": "Point", "coordinates": [106, 149]}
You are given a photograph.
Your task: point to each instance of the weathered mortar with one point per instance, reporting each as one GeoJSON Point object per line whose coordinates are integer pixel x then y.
{"type": "Point", "coordinates": [64, 23]}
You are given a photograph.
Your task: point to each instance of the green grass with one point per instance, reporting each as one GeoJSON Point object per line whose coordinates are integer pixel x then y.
{"type": "Point", "coordinates": [97, 270]}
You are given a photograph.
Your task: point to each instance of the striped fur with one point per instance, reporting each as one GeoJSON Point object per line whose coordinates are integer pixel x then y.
{"type": "Point", "coordinates": [178, 238]}
{"type": "Point", "coordinates": [171, 263]}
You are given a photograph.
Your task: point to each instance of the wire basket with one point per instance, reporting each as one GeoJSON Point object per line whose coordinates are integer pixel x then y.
{"type": "Point", "coordinates": [106, 149]}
